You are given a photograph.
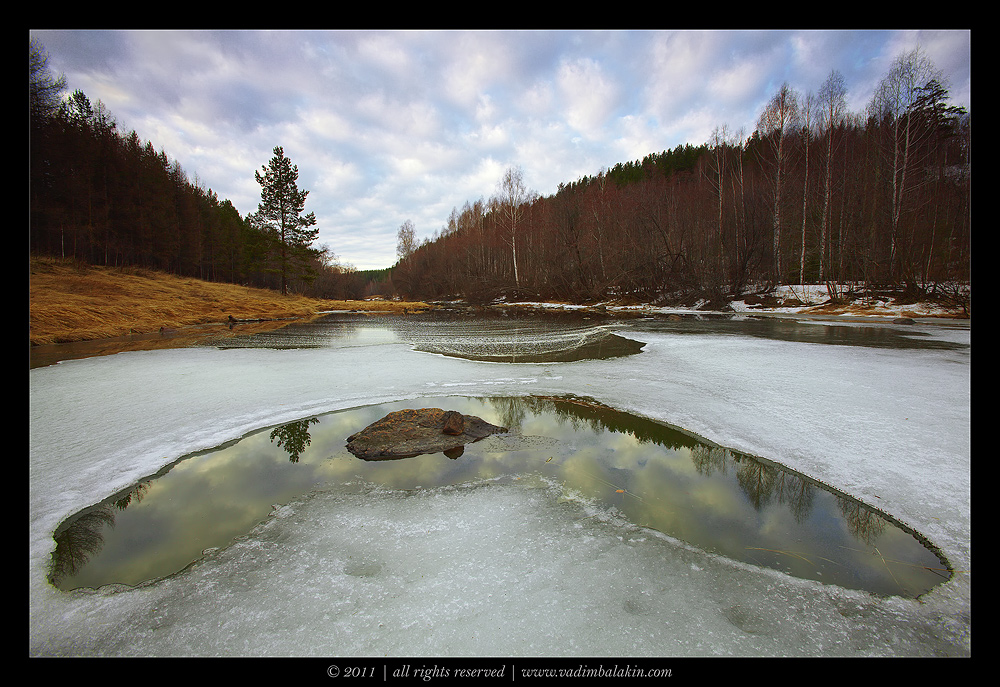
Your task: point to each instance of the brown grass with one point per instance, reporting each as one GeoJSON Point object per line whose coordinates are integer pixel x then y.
{"type": "Point", "coordinates": [71, 301]}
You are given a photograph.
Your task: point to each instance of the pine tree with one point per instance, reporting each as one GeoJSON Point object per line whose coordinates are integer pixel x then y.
{"type": "Point", "coordinates": [280, 214]}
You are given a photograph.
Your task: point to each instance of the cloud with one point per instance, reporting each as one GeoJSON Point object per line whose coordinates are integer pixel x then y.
{"type": "Point", "coordinates": [589, 96]}
{"type": "Point", "coordinates": [393, 125]}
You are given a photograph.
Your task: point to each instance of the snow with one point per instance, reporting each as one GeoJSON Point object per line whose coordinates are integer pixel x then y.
{"type": "Point", "coordinates": [810, 296]}
{"type": "Point", "coordinates": [501, 570]}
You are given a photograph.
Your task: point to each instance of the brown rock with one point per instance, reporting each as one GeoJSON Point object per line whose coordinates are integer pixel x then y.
{"type": "Point", "coordinates": [454, 423]}
{"type": "Point", "coordinates": [411, 432]}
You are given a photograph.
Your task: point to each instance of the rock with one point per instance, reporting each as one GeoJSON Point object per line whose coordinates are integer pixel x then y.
{"type": "Point", "coordinates": [904, 320]}
{"type": "Point", "coordinates": [454, 423]}
{"type": "Point", "coordinates": [411, 432]}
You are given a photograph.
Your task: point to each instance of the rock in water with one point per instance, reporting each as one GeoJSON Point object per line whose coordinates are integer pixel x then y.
{"type": "Point", "coordinates": [407, 433]}
{"type": "Point", "coordinates": [453, 423]}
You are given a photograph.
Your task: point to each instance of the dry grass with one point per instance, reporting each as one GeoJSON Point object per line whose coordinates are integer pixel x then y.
{"type": "Point", "coordinates": [70, 301]}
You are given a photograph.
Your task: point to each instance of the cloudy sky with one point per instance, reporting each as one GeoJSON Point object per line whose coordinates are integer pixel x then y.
{"type": "Point", "coordinates": [387, 126]}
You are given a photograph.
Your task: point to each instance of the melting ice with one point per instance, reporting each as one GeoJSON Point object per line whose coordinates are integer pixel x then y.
{"type": "Point", "coordinates": [505, 569]}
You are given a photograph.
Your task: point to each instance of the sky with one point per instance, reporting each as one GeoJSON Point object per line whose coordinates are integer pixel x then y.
{"type": "Point", "coordinates": [389, 126]}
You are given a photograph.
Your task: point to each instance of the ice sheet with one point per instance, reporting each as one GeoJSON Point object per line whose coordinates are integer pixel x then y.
{"type": "Point", "coordinates": [473, 571]}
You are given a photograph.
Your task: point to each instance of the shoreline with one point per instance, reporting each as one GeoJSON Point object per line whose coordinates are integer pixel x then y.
{"type": "Point", "coordinates": [78, 310]}
{"type": "Point", "coordinates": [45, 354]}
{"type": "Point", "coordinates": [71, 302]}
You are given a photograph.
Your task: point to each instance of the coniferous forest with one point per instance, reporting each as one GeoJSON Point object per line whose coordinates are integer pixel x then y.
{"type": "Point", "coordinates": [102, 196]}
{"type": "Point", "coordinates": [814, 194]}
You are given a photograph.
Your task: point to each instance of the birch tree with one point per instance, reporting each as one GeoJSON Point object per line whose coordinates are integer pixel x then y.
{"type": "Point", "coordinates": [833, 105]}
{"type": "Point", "coordinates": [774, 124]}
{"type": "Point", "coordinates": [807, 110]}
{"type": "Point", "coordinates": [718, 142]}
{"type": "Point", "coordinates": [895, 95]}
{"type": "Point", "coordinates": [509, 202]}
{"type": "Point", "coordinates": [406, 241]}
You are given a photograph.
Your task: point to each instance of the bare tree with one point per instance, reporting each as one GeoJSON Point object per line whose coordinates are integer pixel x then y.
{"type": "Point", "coordinates": [509, 200]}
{"type": "Point", "coordinates": [739, 273]}
{"type": "Point", "coordinates": [774, 124]}
{"type": "Point", "coordinates": [807, 110]}
{"type": "Point", "coordinates": [718, 142]}
{"type": "Point", "coordinates": [833, 105]}
{"type": "Point", "coordinates": [894, 96]}
{"type": "Point", "coordinates": [406, 242]}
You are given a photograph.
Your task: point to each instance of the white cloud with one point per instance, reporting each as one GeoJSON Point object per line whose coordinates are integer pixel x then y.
{"type": "Point", "coordinates": [386, 126]}
{"type": "Point", "coordinates": [736, 83]}
{"type": "Point", "coordinates": [589, 97]}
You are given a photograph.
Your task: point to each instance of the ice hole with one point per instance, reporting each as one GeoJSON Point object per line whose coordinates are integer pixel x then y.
{"type": "Point", "coordinates": [619, 467]}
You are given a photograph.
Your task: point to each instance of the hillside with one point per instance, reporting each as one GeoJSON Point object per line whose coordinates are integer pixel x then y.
{"type": "Point", "coordinates": [72, 301]}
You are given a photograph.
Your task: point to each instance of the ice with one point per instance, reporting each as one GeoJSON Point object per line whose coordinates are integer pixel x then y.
{"type": "Point", "coordinates": [491, 569]}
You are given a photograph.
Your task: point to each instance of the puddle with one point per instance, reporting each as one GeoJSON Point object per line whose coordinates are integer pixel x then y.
{"type": "Point", "coordinates": [612, 464]}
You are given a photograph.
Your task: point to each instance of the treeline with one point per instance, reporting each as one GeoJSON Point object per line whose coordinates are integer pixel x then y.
{"type": "Point", "coordinates": [101, 195]}
{"type": "Point", "coordinates": [814, 194]}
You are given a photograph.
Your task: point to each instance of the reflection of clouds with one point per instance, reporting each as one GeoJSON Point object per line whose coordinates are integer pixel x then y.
{"type": "Point", "coordinates": [583, 469]}
{"type": "Point", "coordinates": [717, 497]}
{"type": "Point", "coordinates": [774, 524]}
{"type": "Point", "coordinates": [708, 496]}
{"type": "Point", "coordinates": [627, 451]}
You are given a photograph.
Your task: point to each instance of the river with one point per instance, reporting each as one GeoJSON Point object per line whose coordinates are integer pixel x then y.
{"type": "Point", "coordinates": [881, 412]}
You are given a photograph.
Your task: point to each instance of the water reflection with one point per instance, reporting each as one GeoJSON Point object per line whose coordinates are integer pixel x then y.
{"type": "Point", "coordinates": [524, 337]}
{"type": "Point", "coordinates": [491, 338]}
{"type": "Point", "coordinates": [806, 329]}
{"type": "Point", "coordinates": [567, 337]}
{"type": "Point", "coordinates": [613, 464]}
{"type": "Point", "coordinates": [293, 437]}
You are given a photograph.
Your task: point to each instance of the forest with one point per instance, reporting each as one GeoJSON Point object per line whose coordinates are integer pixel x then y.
{"type": "Point", "coordinates": [102, 196]}
{"type": "Point", "coordinates": [814, 194]}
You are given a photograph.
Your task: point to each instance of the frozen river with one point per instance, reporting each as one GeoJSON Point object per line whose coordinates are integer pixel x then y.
{"type": "Point", "coordinates": [492, 567]}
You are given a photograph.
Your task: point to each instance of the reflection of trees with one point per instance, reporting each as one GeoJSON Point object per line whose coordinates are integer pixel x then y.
{"type": "Point", "coordinates": [511, 410]}
{"type": "Point", "coordinates": [763, 483]}
{"type": "Point", "coordinates": [757, 480]}
{"type": "Point", "coordinates": [708, 459]}
{"type": "Point", "coordinates": [294, 437]}
{"type": "Point", "coordinates": [84, 537]}
{"type": "Point", "coordinates": [135, 495]}
{"type": "Point", "coordinates": [581, 412]}
{"type": "Point", "coordinates": [334, 326]}
{"type": "Point", "coordinates": [864, 523]}
{"type": "Point", "coordinates": [760, 481]}
{"type": "Point", "coordinates": [78, 542]}
{"type": "Point", "coordinates": [796, 493]}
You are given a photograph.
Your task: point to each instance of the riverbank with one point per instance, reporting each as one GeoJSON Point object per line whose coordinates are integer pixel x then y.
{"type": "Point", "coordinates": [806, 300]}
{"type": "Point", "coordinates": [71, 302]}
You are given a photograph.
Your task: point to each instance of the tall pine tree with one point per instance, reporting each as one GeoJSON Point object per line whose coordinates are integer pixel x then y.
{"type": "Point", "coordinates": [279, 215]}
